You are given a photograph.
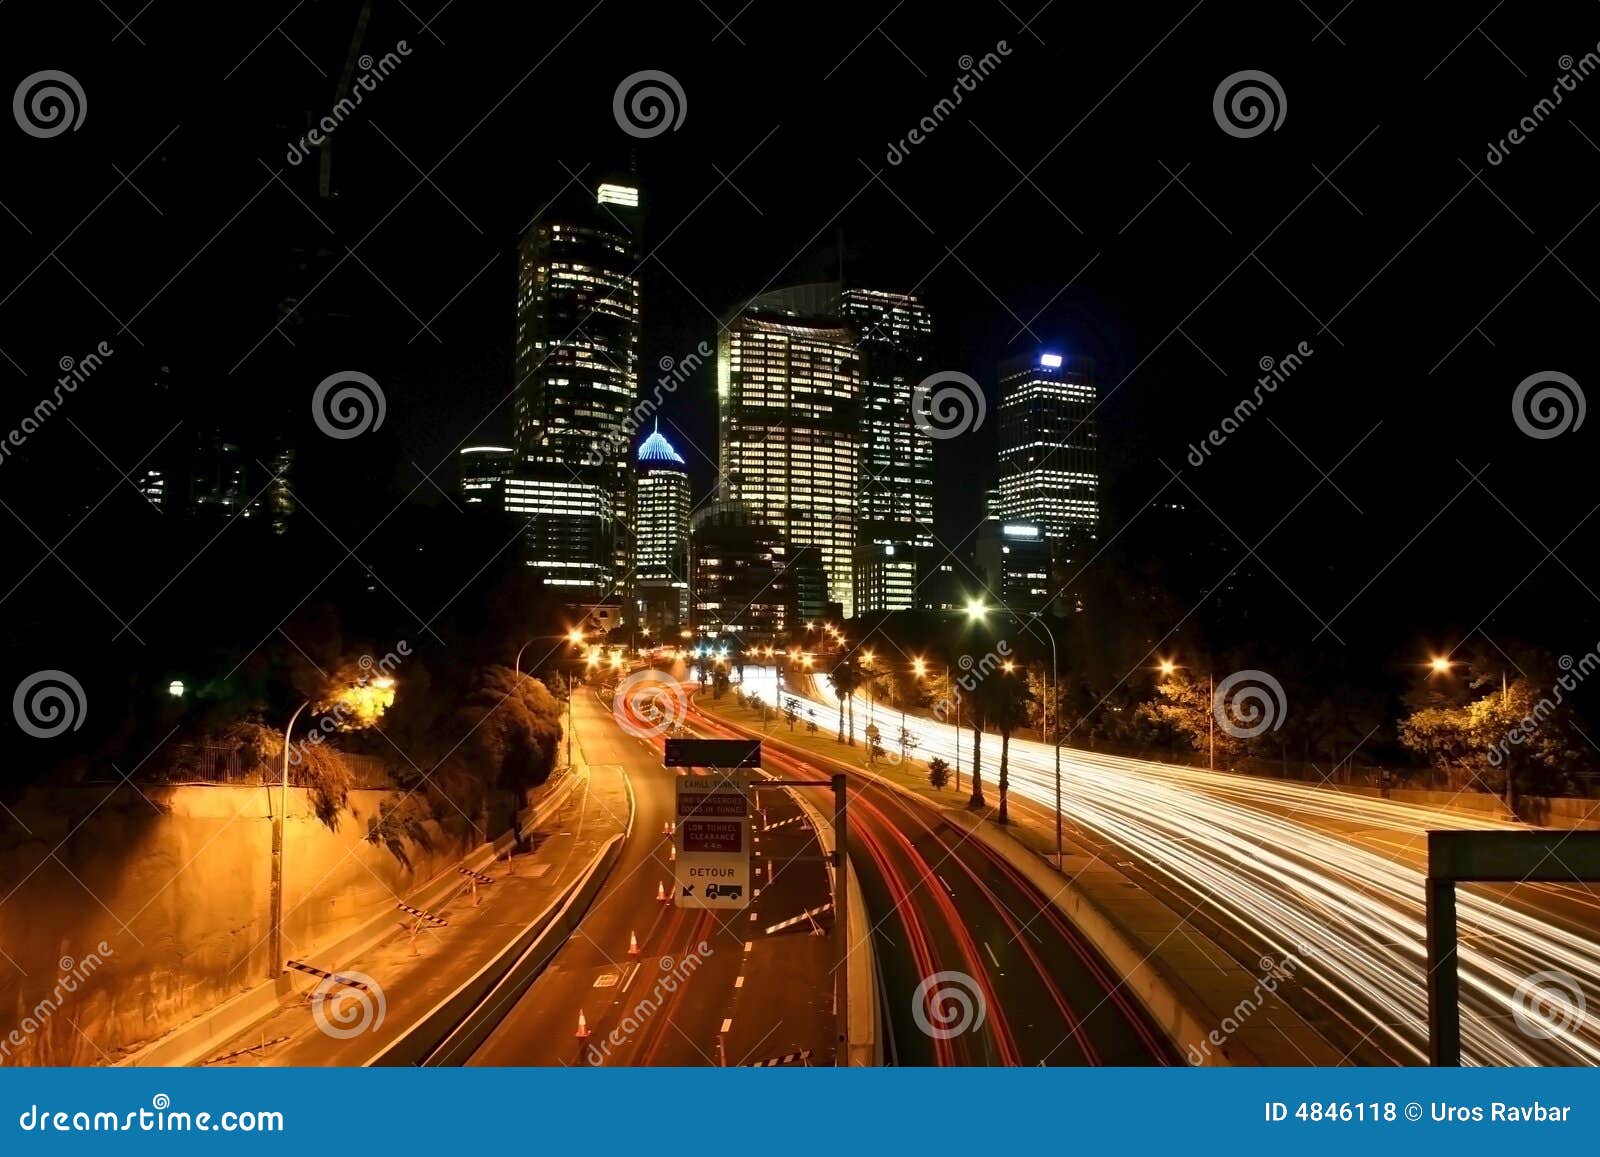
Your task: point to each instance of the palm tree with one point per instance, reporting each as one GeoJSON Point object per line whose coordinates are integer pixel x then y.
{"type": "Point", "coordinates": [973, 706]}
{"type": "Point", "coordinates": [845, 679]}
{"type": "Point", "coordinates": [1006, 700]}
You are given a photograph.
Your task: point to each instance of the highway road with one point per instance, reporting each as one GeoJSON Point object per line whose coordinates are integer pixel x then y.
{"type": "Point", "coordinates": [978, 968]}
{"type": "Point", "coordinates": [703, 988]}
{"type": "Point", "coordinates": [1266, 867]}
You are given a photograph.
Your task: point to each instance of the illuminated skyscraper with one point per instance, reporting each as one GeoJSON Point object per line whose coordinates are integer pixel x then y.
{"type": "Point", "coordinates": [893, 334]}
{"type": "Point", "coordinates": [789, 409]}
{"type": "Point", "coordinates": [1049, 447]}
{"type": "Point", "coordinates": [661, 534]}
{"type": "Point", "coordinates": [577, 363]}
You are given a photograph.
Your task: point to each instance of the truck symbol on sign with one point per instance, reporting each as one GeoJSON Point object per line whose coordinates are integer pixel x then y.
{"type": "Point", "coordinates": [724, 891]}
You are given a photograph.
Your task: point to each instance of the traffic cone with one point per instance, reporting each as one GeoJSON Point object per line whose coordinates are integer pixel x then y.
{"type": "Point", "coordinates": [666, 827]}
{"type": "Point", "coordinates": [583, 1027]}
{"type": "Point", "coordinates": [661, 892]}
{"type": "Point", "coordinates": [672, 853]}
{"type": "Point", "coordinates": [633, 944]}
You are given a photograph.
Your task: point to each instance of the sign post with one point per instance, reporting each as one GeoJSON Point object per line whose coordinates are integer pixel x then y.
{"type": "Point", "coordinates": [712, 835]}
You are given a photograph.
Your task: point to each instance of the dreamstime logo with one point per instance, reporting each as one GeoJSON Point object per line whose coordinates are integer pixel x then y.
{"type": "Point", "coordinates": [1547, 1004]}
{"type": "Point", "coordinates": [1249, 103]}
{"type": "Point", "coordinates": [972, 73]}
{"type": "Point", "coordinates": [674, 372]}
{"type": "Point", "coordinates": [649, 703]}
{"type": "Point", "coordinates": [342, 1011]}
{"type": "Point", "coordinates": [1272, 974]}
{"type": "Point", "coordinates": [1248, 704]}
{"type": "Point", "coordinates": [1548, 404]}
{"type": "Point", "coordinates": [48, 703]}
{"type": "Point", "coordinates": [1274, 372]}
{"type": "Point", "coordinates": [947, 405]}
{"type": "Point", "coordinates": [1573, 72]}
{"type": "Point", "coordinates": [649, 103]}
{"type": "Point", "coordinates": [372, 73]}
{"type": "Point", "coordinates": [973, 672]}
{"type": "Point", "coordinates": [74, 372]}
{"type": "Point", "coordinates": [675, 974]}
{"type": "Point", "coordinates": [354, 407]}
{"type": "Point", "coordinates": [948, 1004]}
{"type": "Point", "coordinates": [74, 974]}
{"type": "Point", "coordinates": [48, 104]}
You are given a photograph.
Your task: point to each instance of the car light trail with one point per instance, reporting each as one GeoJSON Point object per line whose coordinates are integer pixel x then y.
{"type": "Point", "coordinates": [1231, 845]}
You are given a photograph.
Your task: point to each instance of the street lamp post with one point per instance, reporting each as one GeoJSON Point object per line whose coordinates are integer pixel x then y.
{"type": "Point", "coordinates": [275, 966]}
{"type": "Point", "coordinates": [977, 611]}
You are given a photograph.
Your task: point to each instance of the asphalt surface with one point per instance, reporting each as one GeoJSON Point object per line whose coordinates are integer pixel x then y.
{"type": "Point", "coordinates": [704, 987]}
{"type": "Point", "coordinates": [978, 968]}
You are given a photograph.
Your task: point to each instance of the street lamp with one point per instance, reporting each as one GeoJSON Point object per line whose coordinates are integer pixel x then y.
{"type": "Point", "coordinates": [977, 610]}
{"type": "Point", "coordinates": [367, 699]}
{"type": "Point", "coordinates": [1441, 665]}
{"type": "Point", "coordinates": [1167, 667]}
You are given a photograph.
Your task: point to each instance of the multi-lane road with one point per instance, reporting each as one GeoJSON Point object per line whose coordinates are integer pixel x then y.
{"type": "Point", "coordinates": [1268, 867]}
{"type": "Point", "coordinates": [977, 967]}
{"type": "Point", "coordinates": [662, 985]}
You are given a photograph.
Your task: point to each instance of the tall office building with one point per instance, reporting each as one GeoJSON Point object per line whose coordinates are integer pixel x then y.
{"type": "Point", "coordinates": [789, 416]}
{"type": "Point", "coordinates": [570, 532]}
{"type": "Point", "coordinates": [1049, 447]}
{"type": "Point", "coordinates": [893, 335]}
{"type": "Point", "coordinates": [577, 366]}
{"type": "Point", "coordinates": [480, 476]}
{"type": "Point", "coordinates": [661, 534]}
{"type": "Point", "coordinates": [742, 589]}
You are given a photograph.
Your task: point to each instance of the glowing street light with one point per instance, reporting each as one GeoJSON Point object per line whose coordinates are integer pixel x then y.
{"type": "Point", "coordinates": [1440, 664]}
{"type": "Point", "coordinates": [1168, 666]}
{"type": "Point", "coordinates": [976, 609]}
{"type": "Point", "coordinates": [175, 688]}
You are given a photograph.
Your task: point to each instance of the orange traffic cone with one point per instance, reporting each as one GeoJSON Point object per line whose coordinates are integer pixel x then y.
{"type": "Point", "coordinates": [666, 829]}
{"type": "Point", "coordinates": [633, 944]}
{"type": "Point", "coordinates": [661, 892]}
{"type": "Point", "coordinates": [583, 1026]}
{"type": "Point", "coordinates": [672, 853]}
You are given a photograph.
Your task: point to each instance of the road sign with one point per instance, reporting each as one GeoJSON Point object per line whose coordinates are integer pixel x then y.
{"type": "Point", "coordinates": [685, 752]}
{"type": "Point", "coordinates": [712, 835]}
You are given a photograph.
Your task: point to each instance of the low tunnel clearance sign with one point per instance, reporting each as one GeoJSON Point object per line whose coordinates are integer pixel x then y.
{"type": "Point", "coordinates": [713, 840]}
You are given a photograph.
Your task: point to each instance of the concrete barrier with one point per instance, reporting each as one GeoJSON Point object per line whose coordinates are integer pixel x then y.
{"type": "Point", "coordinates": [865, 1034]}
{"type": "Point", "coordinates": [193, 1042]}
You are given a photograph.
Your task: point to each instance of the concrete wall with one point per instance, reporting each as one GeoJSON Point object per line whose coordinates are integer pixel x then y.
{"type": "Point", "coordinates": [126, 912]}
{"type": "Point", "coordinates": [1541, 811]}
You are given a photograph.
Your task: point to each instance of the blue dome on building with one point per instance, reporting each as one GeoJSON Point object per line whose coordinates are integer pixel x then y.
{"type": "Point", "coordinates": [657, 451]}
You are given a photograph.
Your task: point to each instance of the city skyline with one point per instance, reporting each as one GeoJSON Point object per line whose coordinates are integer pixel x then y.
{"type": "Point", "coordinates": [718, 535]}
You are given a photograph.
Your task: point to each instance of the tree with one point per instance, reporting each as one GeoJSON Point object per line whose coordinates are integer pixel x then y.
{"type": "Point", "coordinates": [791, 711]}
{"type": "Point", "coordinates": [938, 773]}
{"type": "Point", "coordinates": [973, 707]}
{"type": "Point", "coordinates": [1516, 738]}
{"type": "Point", "coordinates": [1006, 702]}
{"type": "Point", "coordinates": [845, 679]}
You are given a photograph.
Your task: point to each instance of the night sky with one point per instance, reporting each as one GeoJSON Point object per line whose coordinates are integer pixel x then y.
{"type": "Point", "coordinates": [1083, 198]}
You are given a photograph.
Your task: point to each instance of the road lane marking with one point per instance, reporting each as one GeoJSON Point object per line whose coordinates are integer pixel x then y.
{"type": "Point", "coordinates": [632, 972]}
{"type": "Point", "coordinates": [992, 956]}
{"type": "Point", "coordinates": [727, 1024]}
{"type": "Point", "coordinates": [607, 979]}
{"type": "Point", "coordinates": [749, 944]}
{"type": "Point", "coordinates": [738, 982]}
